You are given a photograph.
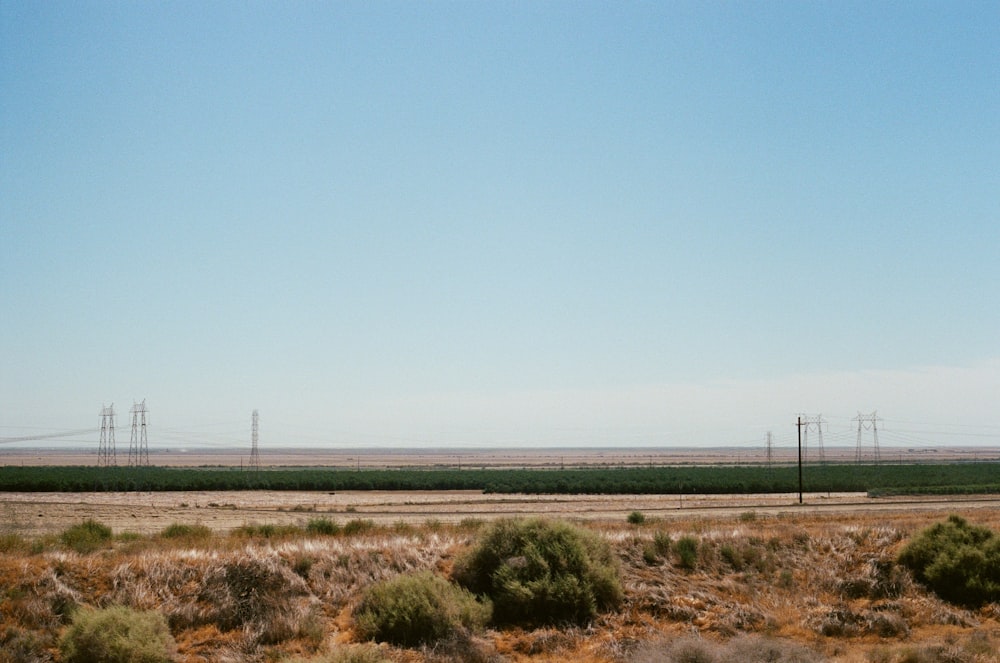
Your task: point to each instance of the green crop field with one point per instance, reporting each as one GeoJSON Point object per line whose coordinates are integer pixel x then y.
{"type": "Point", "coordinates": [886, 479]}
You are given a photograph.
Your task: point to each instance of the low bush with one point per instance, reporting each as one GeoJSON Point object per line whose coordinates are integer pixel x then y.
{"type": "Point", "coordinates": [86, 537]}
{"type": "Point", "coordinates": [687, 552]}
{"type": "Point", "coordinates": [267, 531]}
{"type": "Point", "coordinates": [417, 609]}
{"type": "Point", "coordinates": [636, 518]}
{"type": "Point", "coordinates": [10, 543]}
{"type": "Point", "coordinates": [957, 561]}
{"type": "Point", "coordinates": [322, 527]}
{"type": "Point", "coordinates": [656, 549]}
{"type": "Point", "coordinates": [117, 635]}
{"type": "Point", "coordinates": [358, 526]}
{"type": "Point", "coordinates": [197, 532]}
{"type": "Point", "coordinates": [732, 556]}
{"type": "Point", "coordinates": [541, 572]}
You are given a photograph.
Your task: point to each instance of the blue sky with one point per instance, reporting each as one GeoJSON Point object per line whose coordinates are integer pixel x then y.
{"type": "Point", "coordinates": [500, 223]}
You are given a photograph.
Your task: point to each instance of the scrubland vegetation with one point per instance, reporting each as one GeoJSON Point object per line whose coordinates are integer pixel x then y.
{"type": "Point", "coordinates": [750, 588]}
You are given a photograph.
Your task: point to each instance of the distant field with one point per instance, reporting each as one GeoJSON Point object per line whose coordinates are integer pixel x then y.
{"type": "Point", "coordinates": [878, 480]}
{"type": "Point", "coordinates": [493, 458]}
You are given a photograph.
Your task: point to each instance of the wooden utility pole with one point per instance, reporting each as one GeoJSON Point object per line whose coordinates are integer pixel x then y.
{"type": "Point", "coordinates": [799, 426]}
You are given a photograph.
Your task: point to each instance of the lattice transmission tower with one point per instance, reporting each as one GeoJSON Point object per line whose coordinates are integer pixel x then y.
{"type": "Point", "coordinates": [769, 449]}
{"type": "Point", "coordinates": [868, 422]}
{"type": "Point", "coordinates": [807, 423]}
{"type": "Point", "coordinates": [106, 456]}
{"type": "Point", "coordinates": [138, 446]}
{"type": "Point", "coordinates": [254, 451]}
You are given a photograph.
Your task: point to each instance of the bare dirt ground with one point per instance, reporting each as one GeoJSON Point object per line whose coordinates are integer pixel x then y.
{"type": "Point", "coordinates": [35, 514]}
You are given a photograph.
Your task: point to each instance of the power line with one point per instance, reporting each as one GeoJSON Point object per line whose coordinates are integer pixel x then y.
{"type": "Point", "coordinates": [47, 436]}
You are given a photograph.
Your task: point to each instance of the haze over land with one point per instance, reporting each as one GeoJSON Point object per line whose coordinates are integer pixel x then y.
{"type": "Point", "coordinates": [488, 224]}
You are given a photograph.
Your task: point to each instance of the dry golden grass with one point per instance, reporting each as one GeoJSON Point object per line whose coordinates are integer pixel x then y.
{"type": "Point", "coordinates": [822, 581]}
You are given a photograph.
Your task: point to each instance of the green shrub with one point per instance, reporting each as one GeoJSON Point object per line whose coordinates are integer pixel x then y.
{"type": "Point", "coordinates": [190, 532]}
{"type": "Point", "coordinates": [267, 531]}
{"type": "Point", "coordinates": [358, 526]}
{"type": "Point", "coordinates": [322, 526]}
{"type": "Point", "coordinates": [541, 572]}
{"type": "Point", "coordinates": [117, 635]}
{"type": "Point", "coordinates": [656, 549]}
{"type": "Point", "coordinates": [957, 561]}
{"type": "Point", "coordinates": [416, 609]}
{"type": "Point", "coordinates": [687, 552]}
{"type": "Point", "coordinates": [636, 518]}
{"type": "Point", "coordinates": [732, 556]}
{"type": "Point", "coordinates": [86, 537]}
{"type": "Point", "coordinates": [10, 543]}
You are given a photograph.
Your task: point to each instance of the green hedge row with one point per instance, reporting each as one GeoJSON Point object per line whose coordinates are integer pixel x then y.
{"type": "Point", "coordinates": [687, 480]}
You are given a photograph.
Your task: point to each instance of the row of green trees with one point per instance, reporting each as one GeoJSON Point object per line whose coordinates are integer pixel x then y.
{"type": "Point", "coordinates": [687, 480]}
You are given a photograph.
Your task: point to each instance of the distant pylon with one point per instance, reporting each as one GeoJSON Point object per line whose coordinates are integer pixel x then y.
{"type": "Point", "coordinates": [254, 451]}
{"type": "Point", "coordinates": [770, 456]}
{"type": "Point", "coordinates": [138, 446]}
{"type": "Point", "coordinates": [868, 422]}
{"type": "Point", "coordinates": [807, 423]}
{"type": "Point", "coordinates": [106, 456]}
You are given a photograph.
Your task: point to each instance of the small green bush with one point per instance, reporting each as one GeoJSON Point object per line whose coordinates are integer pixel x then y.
{"type": "Point", "coordinates": [117, 635]}
{"type": "Point", "coordinates": [417, 609]}
{"type": "Point", "coordinates": [957, 561]}
{"type": "Point", "coordinates": [687, 552]}
{"type": "Point", "coordinates": [358, 526]}
{"type": "Point", "coordinates": [541, 572]}
{"type": "Point", "coordinates": [10, 543]}
{"type": "Point", "coordinates": [656, 549]}
{"type": "Point", "coordinates": [322, 527]}
{"type": "Point", "coordinates": [86, 537]}
{"type": "Point", "coordinates": [197, 532]}
{"type": "Point", "coordinates": [636, 518]}
{"type": "Point", "coordinates": [731, 556]}
{"type": "Point", "coordinates": [267, 531]}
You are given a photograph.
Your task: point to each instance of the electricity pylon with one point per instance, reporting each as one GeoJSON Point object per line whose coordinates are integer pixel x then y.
{"type": "Point", "coordinates": [138, 446]}
{"type": "Point", "coordinates": [254, 451]}
{"type": "Point", "coordinates": [106, 456]}
{"type": "Point", "coordinates": [807, 423]}
{"type": "Point", "coordinates": [868, 422]}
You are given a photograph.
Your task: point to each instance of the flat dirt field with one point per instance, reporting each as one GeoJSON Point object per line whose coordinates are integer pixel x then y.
{"type": "Point", "coordinates": [34, 514]}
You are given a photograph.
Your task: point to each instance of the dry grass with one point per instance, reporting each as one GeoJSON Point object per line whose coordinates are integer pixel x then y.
{"type": "Point", "coordinates": [826, 585]}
